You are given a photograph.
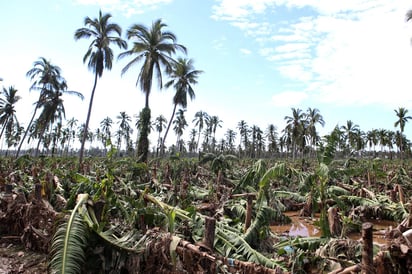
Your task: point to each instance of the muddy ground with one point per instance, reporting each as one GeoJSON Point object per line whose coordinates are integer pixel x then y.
{"type": "Point", "coordinates": [15, 259]}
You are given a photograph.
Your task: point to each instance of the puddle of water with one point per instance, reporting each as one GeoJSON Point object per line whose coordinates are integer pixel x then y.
{"type": "Point", "coordinates": [380, 228]}
{"type": "Point", "coordinates": [304, 227]}
{"type": "Point", "coordinates": [299, 226]}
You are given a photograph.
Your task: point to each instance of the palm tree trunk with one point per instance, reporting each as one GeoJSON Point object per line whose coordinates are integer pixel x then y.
{"type": "Point", "coordinates": [168, 127]}
{"type": "Point", "coordinates": [198, 139]}
{"type": "Point", "coordinates": [4, 126]}
{"type": "Point", "coordinates": [36, 153]}
{"type": "Point", "coordinates": [401, 146]}
{"type": "Point", "coordinates": [143, 143]}
{"type": "Point", "coordinates": [87, 121]}
{"type": "Point", "coordinates": [27, 130]}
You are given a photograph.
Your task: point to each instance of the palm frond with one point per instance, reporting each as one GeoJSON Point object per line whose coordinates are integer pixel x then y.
{"type": "Point", "coordinates": [292, 195]}
{"type": "Point", "coordinates": [67, 250]}
{"type": "Point", "coordinates": [263, 218]}
{"type": "Point", "coordinates": [236, 247]}
{"type": "Point", "coordinates": [307, 243]}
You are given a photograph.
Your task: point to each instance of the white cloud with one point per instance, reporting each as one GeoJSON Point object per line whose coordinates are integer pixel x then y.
{"type": "Point", "coordinates": [289, 98]}
{"type": "Point", "coordinates": [128, 7]}
{"type": "Point", "coordinates": [352, 52]}
{"type": "Point", "coordinates": [245, 51]}
{"type": "Point", "coordinates": [219, 44]}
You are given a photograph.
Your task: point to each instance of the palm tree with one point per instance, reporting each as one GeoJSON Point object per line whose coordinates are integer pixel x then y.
{"type": "Point", "coordinates": [295, 127]}
{"type": "Point", "coordinates": [159, 124]}
{"type": "Point", "coordinates": [53, 110]}
{"type": "Point", "coordinates": [183, 76]}
{"type": "Point", "coordinates": [47, 78]}
{"type": "Point", "coordinates": [372, 138]}
{"type": "Point", "coordinates": [192, 140]}
{"type": "Point", "coordinates": [180, 124]}
{"type": "Point", "coordinates": [244, 134]}
{"type": "Point", "coordinates": [106, 125]}
{"type": "Point", "coordinates": [124, 127]}
{"type": "Point", "coordinates": [99, 54]}
{"type": "Point", "coordinates": [403, 118]}
{"type": "Point", "coordinates": [154, 47]}
{"type": "Point", "coordinates": [313, 117]}
{"type": "Point", "coordinates": [272, 138]}
{"type": "Point", "coordinates": [200, 120]}
{"type": "Point", "coordinates": [8, 118]}
{"type": "Point", "coordinates": [230, 139]}
{"type": "Point", "coordinates": [71, 132]}
{"type": "Point", "coordinates": [214, 123]}
{"type": "Point", "coordinates": [351, 131]}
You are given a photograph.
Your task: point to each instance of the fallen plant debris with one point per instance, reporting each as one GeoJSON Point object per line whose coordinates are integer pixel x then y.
{"type": "Point", "coordinates": [127, 221]}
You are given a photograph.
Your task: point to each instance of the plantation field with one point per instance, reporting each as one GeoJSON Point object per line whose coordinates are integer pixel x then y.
{"type": "Point", "coordinates": [212, 214]}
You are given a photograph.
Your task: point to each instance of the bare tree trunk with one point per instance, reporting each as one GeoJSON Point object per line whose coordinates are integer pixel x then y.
{"type": "Point", "coordinates": [209, 232]}
{"type": "Point", "coordinates": [367, 251]}
{"type": "Point", "coordinates": [26, 131]}
{"type": "Point", "coordinates": [168, 127]}
{"type": "Point", "coordinates": [89, 112]}
{"type": "Point", "coordinates": [249, 206]}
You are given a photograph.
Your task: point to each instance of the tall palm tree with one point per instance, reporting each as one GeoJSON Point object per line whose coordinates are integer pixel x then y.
{"type": "Point", "coordinates": [106, 125]}
{"type": "Point", "coordinates": [403, 118]}
{"type": "Point", "coordinates": [372, 138]}
{"type": "Point", "coordinates": [8, 118]}
{"type": "Point", "coordinates": [244, 134]}
{"type": "Point", "coordinates": [295, 127]}
{"type": "Point", "coordinates": [180, 124]}
{"type": "Point", "coordinates": [200, 120]}
{"type": "Point", "coordinates": [53, 110]}
{"type": "Point", "coordinates": [99, 54]}
{"type": "Point", "coordinates": [159, 124]}
{"type": "Point", "coordinates": [272, 138]}
{"type": "Point", "coordinates": [125, 129]}
{"type": "Point", "coordinates": [230, 139]}
{"type": "Point", "coordinates": [47, 78]}
{"type": "Point", "coordinates": [214, 123]}
{"type": "Point", "coordinates": [192, 140]}
{"type": "Point", "coordinates": [182, 77]}
{"type": "Point", "coordinates": [153, 47]}
{"type": "Point", "coordinates": [351, 131]}
{"type": "Point", "coordinates": [71, 125]}
{"type": "Point", "coordinates": [313, 117]}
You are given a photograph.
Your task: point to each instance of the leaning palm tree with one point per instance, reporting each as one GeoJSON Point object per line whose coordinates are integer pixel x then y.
{"type": "Point", "coordinates": [99, 54]}
{"type": "Point", "coordinates": [8, 118]}
{"type": "Point", "coordinates": [183, 76]}
{"type": "Point", "coordinates": [403, 118]}
{"type": "Point", "coordinates": [154, 48]}
{"type": "Point", "coordinates": [47, 78]}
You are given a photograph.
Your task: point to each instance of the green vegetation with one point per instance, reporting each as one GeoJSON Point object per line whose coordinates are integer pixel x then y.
{"type": "Point", "coordinates": [201, 204]}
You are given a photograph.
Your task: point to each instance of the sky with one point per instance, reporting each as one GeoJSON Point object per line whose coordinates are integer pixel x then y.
{"type": "Point", "coordinates": [260, 58]}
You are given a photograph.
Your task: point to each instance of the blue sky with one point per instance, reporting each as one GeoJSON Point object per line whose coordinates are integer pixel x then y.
{"type": "Point", "coordinates": [350, 59]}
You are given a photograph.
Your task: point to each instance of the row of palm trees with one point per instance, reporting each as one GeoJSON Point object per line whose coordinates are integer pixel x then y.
{"type": "Point", "coordinates": [153, 48]}
{"type": "Point", "coordinates": [300, 136]}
